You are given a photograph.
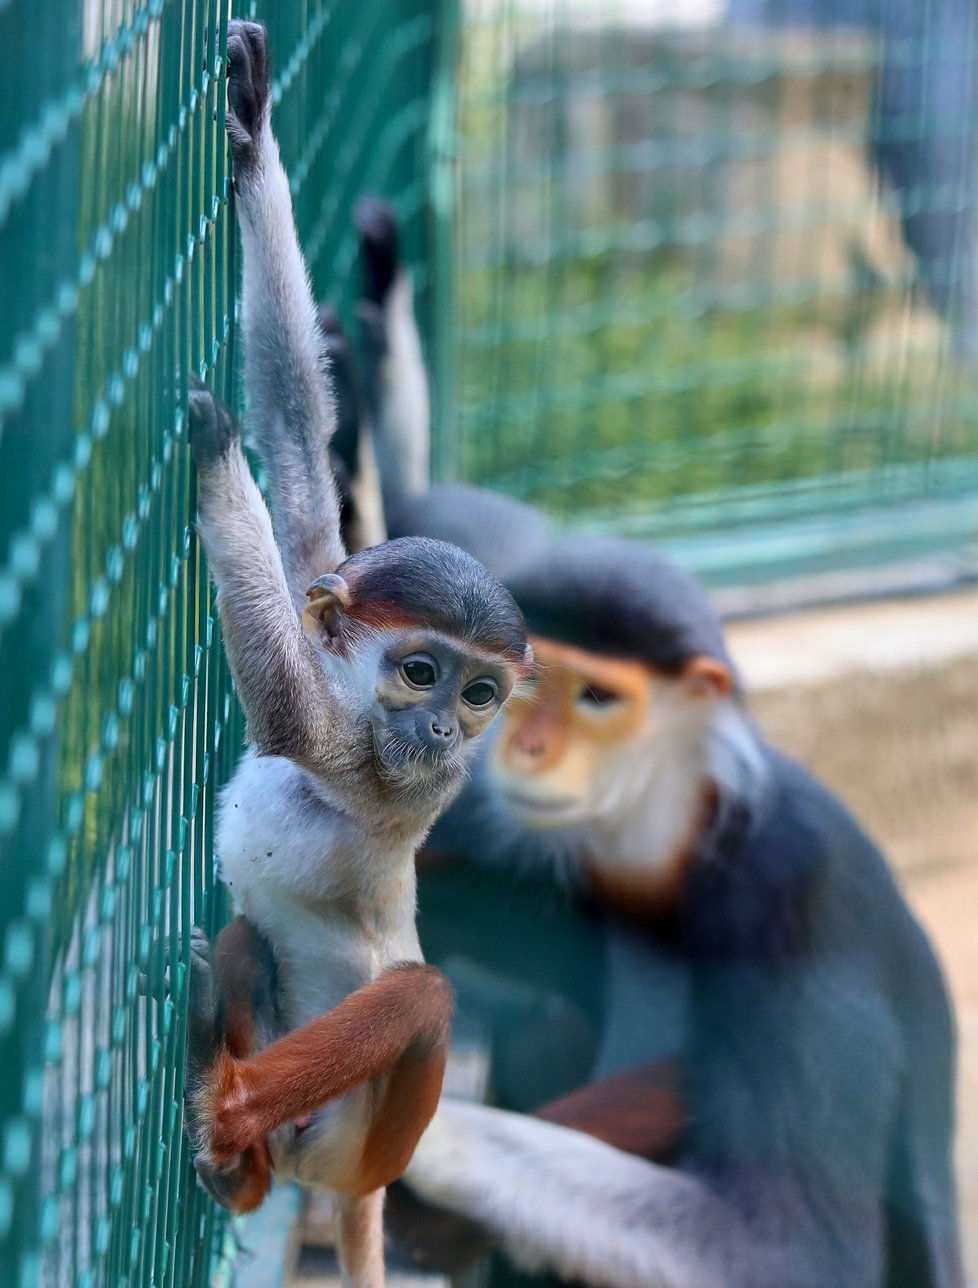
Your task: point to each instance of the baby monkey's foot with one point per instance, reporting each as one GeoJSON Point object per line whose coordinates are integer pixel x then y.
{"type": "Point", "coordinates": [203, 1051]}
{"type": "Point", "coordinates": [249, 92]}
{"type": "Point", "coordinates": [203, 1038]}
{"type": "Point", "coordinates": [212, 431]}
{"type": "Point", "coordinates": [239, 1182]}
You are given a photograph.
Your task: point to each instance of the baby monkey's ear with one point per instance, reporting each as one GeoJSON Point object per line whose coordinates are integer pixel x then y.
{"type": "Point", "coordinates": [326, 600]}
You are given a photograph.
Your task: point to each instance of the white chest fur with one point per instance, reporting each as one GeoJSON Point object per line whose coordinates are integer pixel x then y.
{"type": "Point", "coordinates": [337, 909]}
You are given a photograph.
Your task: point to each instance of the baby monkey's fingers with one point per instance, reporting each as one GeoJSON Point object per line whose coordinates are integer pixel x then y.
{"type": "Point", "coordinates": [203, 1040]}
{"type": "Point", "coordinates": [213, 429]}
{"type": "Point", "coordinates": [238, 1181]}
{"type": "Point", "coordinates": [249, 91]}
{"type": "Point", "coordinates": [239, 1185]}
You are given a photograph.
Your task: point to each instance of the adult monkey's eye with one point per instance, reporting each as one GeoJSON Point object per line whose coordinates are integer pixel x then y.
{"type": "Point", "coordinates": [593, 695]}
{"type": "Point", "coordinates": [421, 671]}
{"type": "Point", "coordinates": [479, 693]}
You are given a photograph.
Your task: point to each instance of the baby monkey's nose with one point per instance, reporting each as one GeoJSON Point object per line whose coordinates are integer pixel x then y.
{"type": "Point", "coordinates": [443, 729]}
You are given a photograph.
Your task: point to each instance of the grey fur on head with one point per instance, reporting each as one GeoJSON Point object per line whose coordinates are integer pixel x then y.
{"type": "Point", "coordinates": [442, 586]}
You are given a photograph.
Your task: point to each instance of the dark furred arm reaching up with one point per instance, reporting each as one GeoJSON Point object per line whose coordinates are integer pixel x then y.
{"type": "Point", "coordinates": [395, 379]}
{"type": "Point", "coordinates": [291, 412]}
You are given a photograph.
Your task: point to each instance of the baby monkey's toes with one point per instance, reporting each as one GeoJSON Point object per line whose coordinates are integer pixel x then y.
{"type": "Point", "coordinates": [201, 1070]}
{"type": "Point", "coordinates": [212, 427]}
{"type": "Point", "coordinates": [203, 1039]}
{"type": "Point", "coordinates": [249, 91]}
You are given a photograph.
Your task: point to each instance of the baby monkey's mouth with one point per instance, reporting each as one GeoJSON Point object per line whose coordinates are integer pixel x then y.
{"type": "Point", "coordinates": [397, 752]}
{"type": "Point", "coordinates": [404, 762]}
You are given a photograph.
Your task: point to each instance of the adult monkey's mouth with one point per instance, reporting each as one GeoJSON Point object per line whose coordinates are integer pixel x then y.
{"type": "Point", "coordinates": [542, 806]}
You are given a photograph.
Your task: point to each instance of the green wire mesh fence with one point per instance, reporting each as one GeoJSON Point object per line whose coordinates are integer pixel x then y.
{"type": "Point", "coordinates": [712, 285]}
{"type": "Point", "coordinates": [117, 261]}
{"type": "Point", "coordinates": [717, 273]}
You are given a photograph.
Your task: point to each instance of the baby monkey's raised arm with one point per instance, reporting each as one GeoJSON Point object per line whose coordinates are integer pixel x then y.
{"type": "Point", "coordinates": [291, 410]}
{"type": "Point", "coordinates": [316, 1035]}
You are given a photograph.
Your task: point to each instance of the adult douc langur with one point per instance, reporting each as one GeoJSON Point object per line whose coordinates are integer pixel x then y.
{"type": "Point", "coordinates": [818, 1058]}
{"type": "Point", "coordinates": [815, 1039]}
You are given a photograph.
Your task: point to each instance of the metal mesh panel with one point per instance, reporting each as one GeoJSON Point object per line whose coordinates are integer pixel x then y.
{"type": "Point", "coordinates": [717, 273]}
{"type": "Point", "coordinates": [117, 720]}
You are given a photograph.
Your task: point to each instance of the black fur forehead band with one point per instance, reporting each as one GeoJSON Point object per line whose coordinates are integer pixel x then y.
{"type": "Point", "coordinates": [620, 599]}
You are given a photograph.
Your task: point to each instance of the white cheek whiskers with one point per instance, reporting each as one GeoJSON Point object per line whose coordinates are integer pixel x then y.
{"type": "Point", "coordinates": [525, 689]}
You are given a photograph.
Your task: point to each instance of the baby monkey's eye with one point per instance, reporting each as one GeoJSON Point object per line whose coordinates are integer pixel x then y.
{"type": "Point", "coordinates": [593, 695]}
{"type": "Point", "coordinates": [419, 671]}
{"type": "Point", "coordinates": [479, 693]}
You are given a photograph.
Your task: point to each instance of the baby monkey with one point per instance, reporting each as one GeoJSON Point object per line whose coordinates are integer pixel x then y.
{"type": "Point", "coordinates": [317, 1036]}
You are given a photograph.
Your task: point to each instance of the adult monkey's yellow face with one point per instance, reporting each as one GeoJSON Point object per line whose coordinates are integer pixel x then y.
{"type": "Point", "coordinates": [567, 751]}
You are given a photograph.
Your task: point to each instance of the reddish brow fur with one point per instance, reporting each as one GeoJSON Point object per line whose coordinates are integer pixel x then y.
{"type": "Point", "coordinates": [367, 1034]}
{"type": "Point", "coordinates": [381, 614]}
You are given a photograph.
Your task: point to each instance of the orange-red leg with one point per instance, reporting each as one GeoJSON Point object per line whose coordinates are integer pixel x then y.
{"type": "Point", "coordinates": [409, 1102]}
{"type": "Point", "coordinates": [396, 1025]}
{"type": "Point", "coordinates": [639, 1110]}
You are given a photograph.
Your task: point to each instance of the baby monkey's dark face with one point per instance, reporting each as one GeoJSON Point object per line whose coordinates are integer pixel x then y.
{"type": "Point", "coordinates": [435, 694]}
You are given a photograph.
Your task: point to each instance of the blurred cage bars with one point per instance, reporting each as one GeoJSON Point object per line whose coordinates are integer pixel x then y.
{"type": "Point", "coordinates": [716, 274]}
{"type": "Point", "coordinates": [117, 721]}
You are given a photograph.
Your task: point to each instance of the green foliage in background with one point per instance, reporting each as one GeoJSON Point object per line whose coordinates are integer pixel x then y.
{"type": "Point", "coordinates": [685, 303]}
